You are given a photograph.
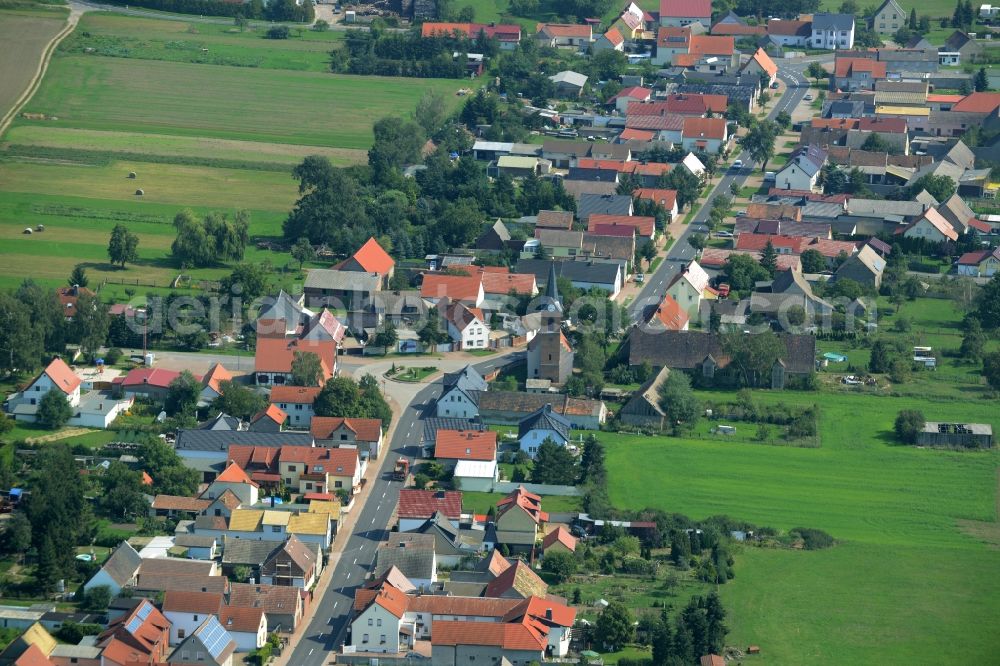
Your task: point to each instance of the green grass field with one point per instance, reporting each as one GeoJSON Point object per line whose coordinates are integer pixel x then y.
{"type": "Point", "coordinates": [183, 99]}
{"type": "Point", "coordinates": [121, 36]}
{"type": "Point", "coordinates": [932, 8]}
{"type": "Point", "coordinates": [24, 34]}
{"type": "Point", "coordinates": [481, 502]}
{"type": "Point", "coordinates": [908, 580]}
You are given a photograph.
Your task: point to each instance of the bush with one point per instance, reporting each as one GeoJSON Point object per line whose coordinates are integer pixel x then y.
{"type": "Point", "coordinates": [113, 355]}
{"type": "Point", "coordinates": [278, 32]}
{"type": "Point", "coordinates": [909, 422]}
{"type": "Point", "coordinates": [812, 539]}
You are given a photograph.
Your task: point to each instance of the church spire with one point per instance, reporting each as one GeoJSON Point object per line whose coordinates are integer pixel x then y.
{"type": "Point", "coordinates": [552, 300]}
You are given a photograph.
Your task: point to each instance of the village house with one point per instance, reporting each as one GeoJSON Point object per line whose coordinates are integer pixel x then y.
{"type": "Point", "coordinates": [23, 406]}
{"type": "Point", "coordinates": [889, 18]}
{"type": "Point", "coordinates": [412, 555]}
{"type": "Point", "coordinates": [519, 519]}
{"type": "Point", "coordinates": [118, 572]}
{"type": "Point", "coordinates": [559, 540]}
{"type": "Point", "coordinates": [612, 40]}
{"type": "Point", "coordinates": [292, 564]}
{"type": "Point", "coordinates": [140, 637]}
{"type": "Point", "coordinates": [705, 134]}
{"type": "Point", "coordinates": [337, 431]}
{"type": "Point", "coordinates": [865, 267]}
{"type": "Point", "coordinates": [459, 396]}
{"type": "Point", "coordinates": [211, 384]}
{"type": "Point", "coordinates": [931, 226]}
{"type": "Point", "coordinates": [832, 31]}
{"type": "Point", "coordinates": [856, 73]}
{"type": "Point", "coordinates": [453, 446]}
{"type": "Point", "coordinates": [980, 263]}
{"type": "Point", "coordinates": [296, 402]}
{"type": "Point", "coordinates": [784, 32]}
{"type": "Point", "coordinates": [568, 84]}
{"type": "Point", "coordinates": [509, 407]}
{"type": "Point", "coordinates": [643, 409]}
{"type": "Point", "coordinates": [283, 606]}
{"type": "Point", "coordinates": [187, 610]}
{"type": "Point", "coordinates": [270, 419]}
{"type": "Point", "coordinates": [802, 170]}
{"type": "Point", "coordinates": [761, 66]}
{"type": "Point", "coordinates": [466, 326]}
{"type": "Point", "coordinates": [541, 425]}
{"type": "Point", "coordinates": [680, 13]}
{"type": "Point", "coordinates": [564, 35]}
{"type": "Point", "coordinates": [464, 289]}
{"type": "Point", "coordinates": [507, 34]}
{"type": "Point", "coordinates": [208, 645]}
{"type": "Point", "coordinates": [235, 480]}
{"type": "Point", "coordinates": [669, 315]}
{"type": "Point", "coordinates": [689, 287]}
{"type": "Point", "coordinates": [416, 507]}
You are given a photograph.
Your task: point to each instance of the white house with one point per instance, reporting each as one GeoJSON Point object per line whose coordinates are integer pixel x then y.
{"type": "Point", "coordinates": [476, 475]}
{"type": "Point", "coordinates": [629, 95]}
{"type": "Point", "coordinates": [931, 226]}
{"type": "Point", "coordinates": [99, 409]}
{"type": "Point", "coordinates": [23, 406]}
{"type": "Point", "coordinates": [707, 134]}
{"type": "Point", "coordinates": [378, 628]}
{"type": "Point", "coordinates": [459, 396]}
{"type": "Point", "coordinates": [211, 384]}
{"type": "Point", "coordinates": [247, 626]}
{"type": "Point", "coordinates": [802, 170]}
{"type": "Point", "coordinates": [118, 571]}
{"type": "Point", "coordinates": [679, 13]}
{"type": "Point", "coordinates": [832, 31]}
{"type": "Point", "coordinates": [297, 403]}
{"type": "Point", "coordinates": [188, 610]}
{"type": "Point", "coordinates": [234, 479]}
{"type": "Point", "coordinates": [688, 288]}
{"type": "Point", "coordinates": [543, 424]}
{"type": "Point", "coordinates": [466, 326]}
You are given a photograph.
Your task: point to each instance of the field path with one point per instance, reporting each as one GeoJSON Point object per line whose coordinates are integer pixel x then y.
{"type": "Point", "coordinates": [75, 11]}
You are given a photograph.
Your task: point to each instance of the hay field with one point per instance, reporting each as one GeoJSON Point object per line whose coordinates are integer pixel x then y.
{"type": "Point", "coordinates": [911, 578]}
{"type": "Point", "coordinates": [182, 99]}
{"type": "Point", "coordinates": [23, 35]}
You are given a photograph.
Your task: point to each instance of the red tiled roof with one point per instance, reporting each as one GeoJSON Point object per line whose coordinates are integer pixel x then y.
{"type": "Point", "coordinates": [32, 656]}
{"type": "Point", "coordinates": [337, 462]}
{"type": "Point", "coordinates": [62, 376]}
{"type": "Point", "coordinates": [978, 102]}
{"type": "Point", "coordinates": [234, 474]}
{"type": "Point", "coordinates": [423, 503]}
{"type": "Point", "coordinates": [848, 66]}
{"type": "Point", "coordinates": [614, 36]}
{"type": "Point", "coordinates": [944, 99]}
{"type": "Point", "coordinates": [466, 444]}
{"type": "Point", "coordinates": [157, 377]}
{"type": "Point", "coordinates": [757, 242]}
{"type": "Point", "coordinates": [671, 314]}
{"type": "Point", "coordinates": [365, 430]}
{"type": "Point", "coordinates": [456, 287]}
{"type": "Point", "coordinates": [502, 281]}
{"type": "Point", "coordinates": [304, 395]}
{"type": "Point", "coordinates": [684, 59]}
{"type": "Point", "coordinates": [702, 45]}
{"type": "Point", "coordinates": [704, 128]}
{"type": "Point", "coordinates": [503, 32]}
{"type": "Point", "coordinates": [980, 226]}
{"type": "Point", "coordinates": [68, 296]}
{"type": "Point", "coordinates": [565, 30]}
{"type": "Point", "coordinates": [618, 230]}
{"type": "Point", "coordinates": [644, 226]}
{"type": "Point", "coordinates": [672, 37]}
{"type": "Point", "coordinates": [215, 376]}
{"type": "Point", "coordinates": [244, 455]}
{"type": "Point", "coordinates": [635, 92]}
{"type": "Point", "coordinates": [561, 535]}
{"type": "Point", "coordinates": [887, 125]}
{"type": "Point", "coordinates": [637, 135]}
{"type": "Point", "coordinates": [272, 412]}
{"type": "Point", "coordinates": [765, 62]}
{"type": "Point", "coordinates": [831, 248]}
{"type": "Point", "coordinates": [507, 636]}
{"type": "Point", "coordinates": [539, 608]}
{"type": "Point", "coordinates": [686, 8]}
{"type": "Point", "coordinates": [528, 501]}
{"type": "Point", "coordinates": [372, 258]}
{"type": "Point", "coordinates": [715, 257]}
{"type": "Point", "coordinates": [246, 620]}
{"type": "Point", "coordinates": [666, 198]}
{"type": "Point", "coordinates": [275, 354]}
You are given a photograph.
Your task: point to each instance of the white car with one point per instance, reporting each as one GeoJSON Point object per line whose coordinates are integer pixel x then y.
{"type": "Point", "coordinates": [723, 234]}
{"type": "Point", "coordinates": [808, 97]}
{"type": "Point", "coordinates": [738, 164]}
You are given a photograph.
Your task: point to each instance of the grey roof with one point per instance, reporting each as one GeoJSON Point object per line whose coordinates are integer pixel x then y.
{"type": "Point", "coordinates": [577, 148]}
{"type": "Point", "coordinates": [739, 92]}
{"type": "Point", "coordinates": [246, 551]}
{"type": "Point", "coordinates": [843, 108]}
{"type": "Point", "coordinates": [867, 257]}
{"type": "Point", "coordinates": [820, 209]}
{"type": "Point", "coordinates": [544, 419]}
{"type": "Point", "coordinates": [570, 77]}
{"type": "Point", "coordinates": [215, 440]}
{"type": "Point", "coordinates": [593, 175]}
{"type": "Point", "coordinates": [468, 379]}
{"type": "Point", "coordinates": [123, 564]}
{"type": "Point", "coordinates": [602, 204]}
{"type": "Point", "coordinates": [808, 158]}
{"type": "Point", "coordinates": [949, 169]}
{"type": "Point", "coordinates": [413, 554]}
{"type": "Point", "coordinates": [447, 537]}
{"type": "Point", "coordinates": [194, 541]}
{"type": "Point", "coordinates": [221, 422]}
{"type": "Point", "coordinates": [282, 306]}
{"type": "Point", "coordinates": [961, 155]}
{"type": "Point", "coordinates": [434, 423]}
{"type": "Point", "coordinates": [685, 350]}
{"type": "Point", "coordinates": [610, 151]}
{"type": "Point", "coordinates": [823, 21]}
{"type": "Point", "coordinates": [883, 207]}
{"type": "Point", "coordinates": [74, 652]}
{"type": "Point", "coordinates": [324, 278]}
{"type": "Point", "coordinates": [559, 238]}
{"type": "Point", "coordinates": [926, 198]}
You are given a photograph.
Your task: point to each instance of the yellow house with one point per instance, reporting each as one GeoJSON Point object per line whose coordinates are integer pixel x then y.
{"type": "Point", "coordinates": [519, 519]}
{"type": "Point", "coordinates": [889, 18]}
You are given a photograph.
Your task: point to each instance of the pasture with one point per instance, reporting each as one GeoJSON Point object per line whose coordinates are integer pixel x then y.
{"type": "Point", "coordinates": [119, 36]}
{"type": "Point", "coordinates": [933, 8]}
{"type": "Point", "coordinates": [24, 34]}
{"type": "Point", "coordinates": [183, 99]}
{"type": "Point", "coordinates": [911, 574]}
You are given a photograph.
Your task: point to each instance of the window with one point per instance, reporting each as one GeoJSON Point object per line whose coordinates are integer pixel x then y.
{"type": "Point", "coordinates": [379, 623]}
{"type": "Point", "coordinates": [181, 633]}
{"type": "Point", "coordinates": [370, 622]}
{"type": "Point", "coordinates": [291, 468]}
{"type": "Point", "coordinates": [382, 639]}
{"type": "Point", "coordinates": [343, 438]}
{"type": "Point", "coordinates": [218, 512]}
{"type": "Point", "coordinates": [288, 481]}
{"type": "Point", "coordinates": [338, 484]}
{"type": "Point", "coordinates": [298, 407]}
{"type": "Point", "coordinates": [309, 486]}
{"type": "Point", "coordinates": [195, 618]}
{"type": "Point", "coordinates": [276, 529]}
{"type": "Point", "coordinates": [364, 639]}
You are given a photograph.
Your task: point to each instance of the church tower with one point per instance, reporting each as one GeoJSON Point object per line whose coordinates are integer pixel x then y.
{"type": "Point", "coordinates": [549, 353]}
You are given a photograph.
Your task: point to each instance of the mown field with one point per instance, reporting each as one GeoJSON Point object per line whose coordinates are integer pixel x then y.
{"type": "Point", "coordinates": [24, 34]}
{"type": "Point", "coordinates": [120, 36]}
{"type": "Point", "coordinates": [911, 577]}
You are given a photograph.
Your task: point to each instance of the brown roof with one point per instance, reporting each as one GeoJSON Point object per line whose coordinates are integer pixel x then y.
{"type": "Point", "coordinates": [789, 28]}
{"type": "Point", "coordinates": [172, 566]}
{"type": "Point", "coordinates": [208, 603]}
{"type": "Point", "coordinates": [180, 503]}
{"type": "Point", "coordinates": [366, 430]}
{"type": "Point", "coordinates": [644, 226]}
{"type": "Point", "coordinates": [468, 606]}
{"type": "Point", "coordinates": [518, 578]}
{"type": "Point", "coordinates": [555, 219]}
{"type": "Point", "coordinates": [269, 598]}
{"type": "Point", "coordinates": [708, 128]}
{"type": "Point", "coordinates": [522, 402]}
{"type": "Point", "coordinates": [295, 394]}
{"type": "Point", "coordinates": [764, 211]}
{"type": "Point", "coordinates": [247, 620]}
{"type": "Point", "coordinates": [565, 29]}
{"type": "Point", "coordinates": [559, 535]}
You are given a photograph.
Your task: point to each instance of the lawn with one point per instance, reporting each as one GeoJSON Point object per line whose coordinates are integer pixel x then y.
{"type": "Point", "coordinates": [932, 8]}
{"type": "Point", "coordinates": [481, 502]}
{"type": "Point", "coordinates": [271, 106]}
{"type": "Point", "coordinates": [905, 585]}
{"type": "Point", "coordinates": [24, 34]}
{"type": "Point", "coordinates": [122, 36]}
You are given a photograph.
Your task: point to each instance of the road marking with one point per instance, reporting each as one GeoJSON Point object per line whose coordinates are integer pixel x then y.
{"type": "Point", "coordinates": [311, 650]}
{"type": "Point", "coordinates": [348, 574]}
{"type": "Point", "coordinates": [355, 560]}
{"type": "Point", "coordinates": [373, 521]}
{"type": "Point", "coordinates": [383, 495]}
{"type": "Point", "coordinates": [335, 604]}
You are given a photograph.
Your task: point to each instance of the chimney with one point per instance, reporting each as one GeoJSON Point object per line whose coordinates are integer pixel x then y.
{"type": "Point", "coordinates": [548, 613]}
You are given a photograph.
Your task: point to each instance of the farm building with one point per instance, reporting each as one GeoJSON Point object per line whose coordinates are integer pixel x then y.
{"type": "Point", "coordinates": [643, 409]}
{"type": "Point", "coordinates": [970, 435]}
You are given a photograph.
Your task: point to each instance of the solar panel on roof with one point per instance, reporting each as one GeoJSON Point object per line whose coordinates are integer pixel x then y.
{"type": "Point", "coordinates": [214, 637]}
{"type": "Point", "coordinates": [144, 611]}
{"type": "Point", "coordinates": [133, 625]}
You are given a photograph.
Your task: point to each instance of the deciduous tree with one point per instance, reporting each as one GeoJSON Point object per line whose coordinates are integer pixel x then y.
{"type": "Point", "coordinates": [182, 394]}
{"type": "Point", "coordinates": [123, 247]}
{"type": "Point", "coordinates": [307, 369]}
{"type": "Point", "coordinates": [54, 409]}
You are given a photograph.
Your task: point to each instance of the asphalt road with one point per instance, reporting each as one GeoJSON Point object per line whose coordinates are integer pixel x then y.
{"type": "Point", "coordinates": [328, 627]}
{"type": "Point", "coordinates": [681, 252]}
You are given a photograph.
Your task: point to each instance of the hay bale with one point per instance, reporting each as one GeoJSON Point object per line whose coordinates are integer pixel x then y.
{"type": "Point", "coordinates": [139, 193]}
{"type": "Point", "coordinates": [131, 174]}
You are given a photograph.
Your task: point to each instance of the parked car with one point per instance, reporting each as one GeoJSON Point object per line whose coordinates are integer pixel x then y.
{"type": "Point", "coordinates": [723, 234]}
{"type": "Point", "coordinates": [808, 97]}
{"type": "Point", "coordinates": [738, 164]}
{"type": "Point", "coordinates": [640, 278]}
